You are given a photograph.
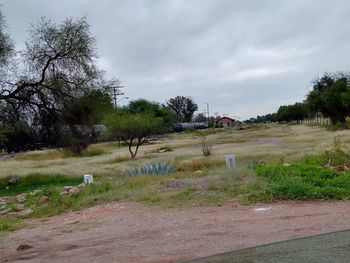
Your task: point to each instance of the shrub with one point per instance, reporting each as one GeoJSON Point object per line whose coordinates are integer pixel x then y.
{"type": "Point", "coordinates": [304, 182]}
{"type": "Point", "coordinates": [152, 169]}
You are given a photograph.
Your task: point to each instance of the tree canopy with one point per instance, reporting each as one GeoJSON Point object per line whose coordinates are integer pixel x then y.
{"type": "Point", "coordinates": [57, 63]}
{"type": "Point", "coordinates": [294, 112]}
{"type": "Point", "coordinates": [183, 108]}
{"type": "Point", "coordinates": [331, 96]}
{"type": "Point", "coordinates": [134, 129]}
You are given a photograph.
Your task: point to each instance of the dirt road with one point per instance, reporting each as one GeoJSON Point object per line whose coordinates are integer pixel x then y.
{"type": "Point", "coordinates": [129, 232]}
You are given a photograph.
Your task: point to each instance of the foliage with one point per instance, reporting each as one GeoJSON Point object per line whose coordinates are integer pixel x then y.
{"type": "Point", "coordinates": [87, 109]}
{"type": "Point", "coordinates": [135, 129]}
{"type": "Point", "coordinates": [297, 111]}
{"type": "Point", "coordinates": [17, 137]}
{"type": "Point", "coordinates": [58, 63]}
{"type": "Point", "coordinates": [331, 96]}
{"type": "Point", "coordinates": [51, 84]}
{"type": "Point", "coordinates": [146, 107]}
{"type": "Point", "coordinates": [9, 224]}
{"type": "Point", "coordinates": [333, 157]}
{"type": "Point", "coordinates": [152, 169]}
{"type": "Point", "coordinates": [183, 108]}
{"type": "Point", "coordinates": [271, 117]}
{"type": "Point", "coordinates": [302, 182]}
{"type": "Point", "coordinates": [200, 117]}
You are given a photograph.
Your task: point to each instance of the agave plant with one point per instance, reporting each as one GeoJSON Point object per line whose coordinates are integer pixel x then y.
{"type": "Point", "coordinates": [152, 169]}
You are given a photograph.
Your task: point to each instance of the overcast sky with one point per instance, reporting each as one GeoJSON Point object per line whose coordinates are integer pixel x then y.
{"type": "Point", "coordinates": [243, 57]}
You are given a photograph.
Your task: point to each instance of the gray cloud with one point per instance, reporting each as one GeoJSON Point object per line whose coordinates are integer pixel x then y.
{"type": "Point", "coordinates": [243, 57]}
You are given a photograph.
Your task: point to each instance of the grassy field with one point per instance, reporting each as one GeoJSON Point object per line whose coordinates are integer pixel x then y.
{"type": "Point", "coordinates": [275, 162]}
{"type": "Point", "coordinates": [270, 143]}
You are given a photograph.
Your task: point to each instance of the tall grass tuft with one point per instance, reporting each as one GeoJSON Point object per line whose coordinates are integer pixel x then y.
{"type": "Point", "coordinates": [206, 146]}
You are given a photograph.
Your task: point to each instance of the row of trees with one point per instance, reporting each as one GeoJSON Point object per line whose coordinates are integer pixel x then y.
{"type": "Point", "coordinates": [330, 95]}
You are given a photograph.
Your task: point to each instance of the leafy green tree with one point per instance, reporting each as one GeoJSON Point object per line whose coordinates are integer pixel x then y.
{"type": "Point", "coordinates": [183, 108]}
{"type": "Point", "coordinates": [271, 117]}
{"type": "Point", "coordinates": [294, 112]}
{"type": "Point", "coordinates": [331, 96]}
{"type": "Point", "coordinates": [143, 106]}
{"type": "Point", "coordinates": [134, 129]}
{"type": "Point", "coordinates": [88, 109]}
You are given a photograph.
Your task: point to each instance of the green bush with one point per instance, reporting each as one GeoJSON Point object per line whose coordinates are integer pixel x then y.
{"type": "Point", "coordinates": [302, 182]}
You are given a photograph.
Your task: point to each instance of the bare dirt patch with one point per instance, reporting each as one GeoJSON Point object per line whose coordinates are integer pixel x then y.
{"type": "Point", "coordinates": [130, 232]}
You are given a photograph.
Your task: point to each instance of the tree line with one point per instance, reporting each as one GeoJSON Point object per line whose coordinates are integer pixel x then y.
{"type": "Point", "coordinates": [330, 96]}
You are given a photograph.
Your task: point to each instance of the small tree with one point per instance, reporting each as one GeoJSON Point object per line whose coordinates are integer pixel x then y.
{"type": "Point", "coordinates": [135, 130]}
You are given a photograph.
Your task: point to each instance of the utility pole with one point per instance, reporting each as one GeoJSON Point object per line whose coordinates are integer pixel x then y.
{"type": "Point", "coordinates": [208, 114]}
{"type": "Point", "coordinates": [116, 93]}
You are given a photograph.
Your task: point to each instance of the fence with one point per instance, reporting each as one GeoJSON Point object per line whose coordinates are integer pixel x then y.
{"type": "Point", "coordinates": [317, 121]}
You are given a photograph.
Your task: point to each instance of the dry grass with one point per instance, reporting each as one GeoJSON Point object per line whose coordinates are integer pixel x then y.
{"type": "Point", "coordinates": [270, 142]}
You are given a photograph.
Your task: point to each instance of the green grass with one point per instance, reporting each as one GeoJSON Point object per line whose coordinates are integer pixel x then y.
{"type": "Point", "coordinates": [94, 152]}
{"type": "Point", "coordinates": [98, 193]}
{"type": "Point", "coordinates": [59, 154]}
{"type": "Point", "coordinates": [307, 179]}
{"type": "Point", "coordinates": [42, 156]}
{"type": "Point", "coordinates": [36, 182]}
{"type": "Point", "coordinates": [302, 182]}
{"type": "Point", "coordinates": [9, 224]}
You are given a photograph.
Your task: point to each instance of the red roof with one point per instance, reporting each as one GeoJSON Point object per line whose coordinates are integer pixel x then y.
{"type": "Point", "coordinates": [228, 118]}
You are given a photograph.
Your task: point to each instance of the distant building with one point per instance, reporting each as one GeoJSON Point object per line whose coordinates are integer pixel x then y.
{"type": "Point", "coordinates": [226, 122]}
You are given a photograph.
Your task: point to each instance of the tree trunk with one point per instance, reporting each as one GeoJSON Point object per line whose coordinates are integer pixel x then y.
{"type": "Point", "coordinates": [132, 154]}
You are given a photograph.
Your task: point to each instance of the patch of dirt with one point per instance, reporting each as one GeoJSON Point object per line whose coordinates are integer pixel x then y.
{"type": "Point", "coordinates": [130, 232]}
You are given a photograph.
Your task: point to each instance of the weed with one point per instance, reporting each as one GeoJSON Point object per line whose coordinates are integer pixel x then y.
{"type": "Point", "coordinates": [302, 182]}
{"type": "Point", "coordinates": [9, 224]}
{"type": "Point", "coordinates": [206, 146]}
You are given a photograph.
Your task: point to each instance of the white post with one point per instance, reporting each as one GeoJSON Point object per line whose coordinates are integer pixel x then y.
{"type": "Point", "coordinates": [230, 161]}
